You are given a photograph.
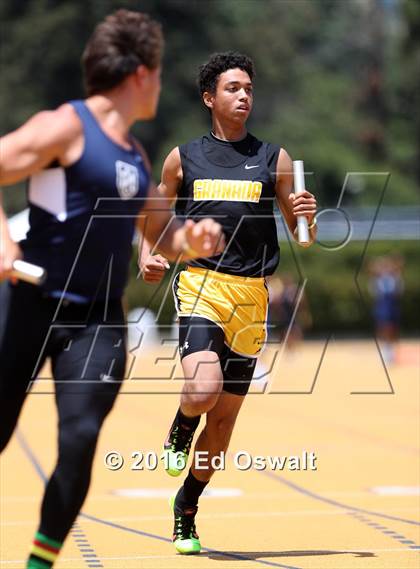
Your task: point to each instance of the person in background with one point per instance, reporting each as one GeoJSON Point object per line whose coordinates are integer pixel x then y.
{"type": "Point", "coordinates": [386, 287]}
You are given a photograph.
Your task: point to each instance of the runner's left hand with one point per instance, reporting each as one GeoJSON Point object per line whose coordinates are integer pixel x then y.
{"type": "Point", "coordinates": [304, 204]}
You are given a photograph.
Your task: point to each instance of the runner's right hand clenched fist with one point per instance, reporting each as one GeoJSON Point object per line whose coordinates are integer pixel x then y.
{"type": "Point", "coordinates": [153, 267]}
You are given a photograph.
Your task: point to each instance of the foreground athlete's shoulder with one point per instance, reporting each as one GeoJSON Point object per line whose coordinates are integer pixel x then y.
{"type": "Point", "coordinates": [50, 129]}
{"type": "Point", "coordinates": [60, 125]}
{"type": "Point", "coordinates": [66, 120]}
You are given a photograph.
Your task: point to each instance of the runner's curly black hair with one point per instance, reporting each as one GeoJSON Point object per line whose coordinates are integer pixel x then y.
{"type": "Point", "coordinates": [219, 63]}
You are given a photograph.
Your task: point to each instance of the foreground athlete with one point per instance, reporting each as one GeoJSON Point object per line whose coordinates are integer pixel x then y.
{"type": "Point", "coordinates": [221, 301]}
{"type": "Point", "coordinates": [88, 182]}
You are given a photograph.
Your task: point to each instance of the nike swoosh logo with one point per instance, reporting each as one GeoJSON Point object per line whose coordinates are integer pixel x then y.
{"type": "Point", "coordinates": [249, 167]}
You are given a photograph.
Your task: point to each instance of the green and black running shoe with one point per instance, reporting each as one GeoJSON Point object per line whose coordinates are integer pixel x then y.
{"type": "Point", "coordinates": [177, 448]}
{"type": "Point", "coordinates": [185, 536]}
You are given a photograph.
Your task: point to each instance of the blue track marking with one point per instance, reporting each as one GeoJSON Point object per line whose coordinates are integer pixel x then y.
{"type": "Point", "coordinates": [79, 534]}
{"type": "Point", "coordinates": [340, 505]}
{"type": "Point", "coordinates": [85, 549]}
{"type": "Point", "coordinates": [386, 531]}
{"type": "Point", "coordinates": [167, 540]}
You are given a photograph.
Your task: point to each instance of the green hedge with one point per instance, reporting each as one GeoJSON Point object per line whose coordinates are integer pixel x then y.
{"type": "Point", "coordinates": [331, 287]}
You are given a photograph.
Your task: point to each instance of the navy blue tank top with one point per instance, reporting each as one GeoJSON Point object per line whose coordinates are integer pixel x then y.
{"type": "Point", "coordinates": [82, 217]}
{"type": "Point", "coordinates": [233, 183]}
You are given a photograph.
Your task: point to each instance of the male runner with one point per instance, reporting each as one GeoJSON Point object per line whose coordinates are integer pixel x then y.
{"type": "Point", "coordinates": [232, 176]}
{"type": "Point", "coordinates": [88, 182]}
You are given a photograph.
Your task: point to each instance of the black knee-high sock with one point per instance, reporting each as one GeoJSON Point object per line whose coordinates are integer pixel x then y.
{"type": "Point", "coordinates": [187, 423]}
{"type": "Point", "coordinates": [190, 492]}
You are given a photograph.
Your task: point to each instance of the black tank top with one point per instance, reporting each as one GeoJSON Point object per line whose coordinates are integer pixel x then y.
{"type": "Point", "coordinates": [83, 217]}
{"type": "Point", "coordinates": [233, 183]}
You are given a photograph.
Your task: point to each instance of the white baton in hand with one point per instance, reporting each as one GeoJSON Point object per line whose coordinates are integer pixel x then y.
{"type": "Point", "coordinates": [28, 272]}
{"type": "Point", "coordinates": [299, 185]}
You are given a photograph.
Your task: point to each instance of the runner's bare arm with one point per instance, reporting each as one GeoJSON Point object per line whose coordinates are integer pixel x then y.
{"type": "Point", "coordinates": [171, 179]}
{"type": "Point", "coordinates": [291, 205]}
{"type": "Point", "coordinates": [153, 267]}
{"type": "Point", "coordinates": [47, 136]}
{"type": "Point", "coordinates": [158, 224]}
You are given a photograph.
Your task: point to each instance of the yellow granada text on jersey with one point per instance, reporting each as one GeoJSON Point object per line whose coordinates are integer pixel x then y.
{"type": "Point", "coordinates": [227, 190]}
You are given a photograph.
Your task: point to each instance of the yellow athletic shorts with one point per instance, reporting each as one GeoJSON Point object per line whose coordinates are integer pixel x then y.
{"type": "Point", "coordinates": [237, 304]}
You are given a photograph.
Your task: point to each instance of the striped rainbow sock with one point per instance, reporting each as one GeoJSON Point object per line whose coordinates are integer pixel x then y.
{"type": "Point", "coordinates": [44, 552]}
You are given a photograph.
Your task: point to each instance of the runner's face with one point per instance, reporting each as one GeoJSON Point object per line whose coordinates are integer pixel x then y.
{"type": "Point", "coordinates": [150, 85]}
{"type": "Point", "coordinates": [233, 97]}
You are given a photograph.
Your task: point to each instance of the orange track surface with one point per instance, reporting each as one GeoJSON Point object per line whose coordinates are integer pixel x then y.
{"type": "Point", "coordinates": [344, 515]}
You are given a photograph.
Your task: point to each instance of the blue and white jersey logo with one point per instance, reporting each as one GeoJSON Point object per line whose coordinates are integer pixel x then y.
{"type": "Point", "coordinates": [127, 180]}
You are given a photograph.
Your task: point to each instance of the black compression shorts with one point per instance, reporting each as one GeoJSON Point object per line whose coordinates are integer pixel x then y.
{"type": "Point", "coordinates": [198, 334]}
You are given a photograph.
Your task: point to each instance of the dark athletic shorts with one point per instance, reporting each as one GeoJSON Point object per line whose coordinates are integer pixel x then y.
{"type": "Point", "coordinates": [198, 334]}
{"type": "Point", "coordinates": [86, 343]}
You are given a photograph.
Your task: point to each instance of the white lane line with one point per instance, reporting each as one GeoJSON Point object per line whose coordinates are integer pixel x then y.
{"type": "Point", "coordinates": [204, 516]}
{"type": "Point", "coordinates": [73, 559]}
{"type": "Point", "coordinates": [249, 514]}
{"type": "Point", "coordinates": [220, 554]}
{"type": "Point", "coordinates": [251, 496]}
{"type": "Point", "coordinates": [168, 492]}
{"type": "Point", "coordinates": [396, 490]}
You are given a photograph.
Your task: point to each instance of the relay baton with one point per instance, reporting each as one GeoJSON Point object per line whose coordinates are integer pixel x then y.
{"type": "Point", "coordinates": [28, 272]}
{"type": "Point", "coordinates": [299, 185]}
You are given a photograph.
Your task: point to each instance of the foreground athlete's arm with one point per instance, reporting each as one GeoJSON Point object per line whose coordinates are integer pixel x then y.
{"type": "Point", "coordinates": [291, 205]}
{"type": "Point", "coordinates": [9, 250]}
{"type": "Point", "coordinates": [47, 136]}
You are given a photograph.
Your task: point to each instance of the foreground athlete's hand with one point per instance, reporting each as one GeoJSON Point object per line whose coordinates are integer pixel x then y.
{"type": "Point", "coordinates": [9, 252]}
{"type": "Point", "coordinates": [153, 268]}
{"type": "Point", "coordinates": [203, 239]}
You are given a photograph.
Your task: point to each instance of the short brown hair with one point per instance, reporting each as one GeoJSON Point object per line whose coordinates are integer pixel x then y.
{"type": "Point", "coordinates": [118, 45]}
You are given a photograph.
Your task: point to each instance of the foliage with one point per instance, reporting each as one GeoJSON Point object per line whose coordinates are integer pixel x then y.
{"type": "Point", "coordinates": [337, 286]}
{"type": "Point", "coordinates": [337, 82]}
{"type": "Point", "coordinates": [337, 85]}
